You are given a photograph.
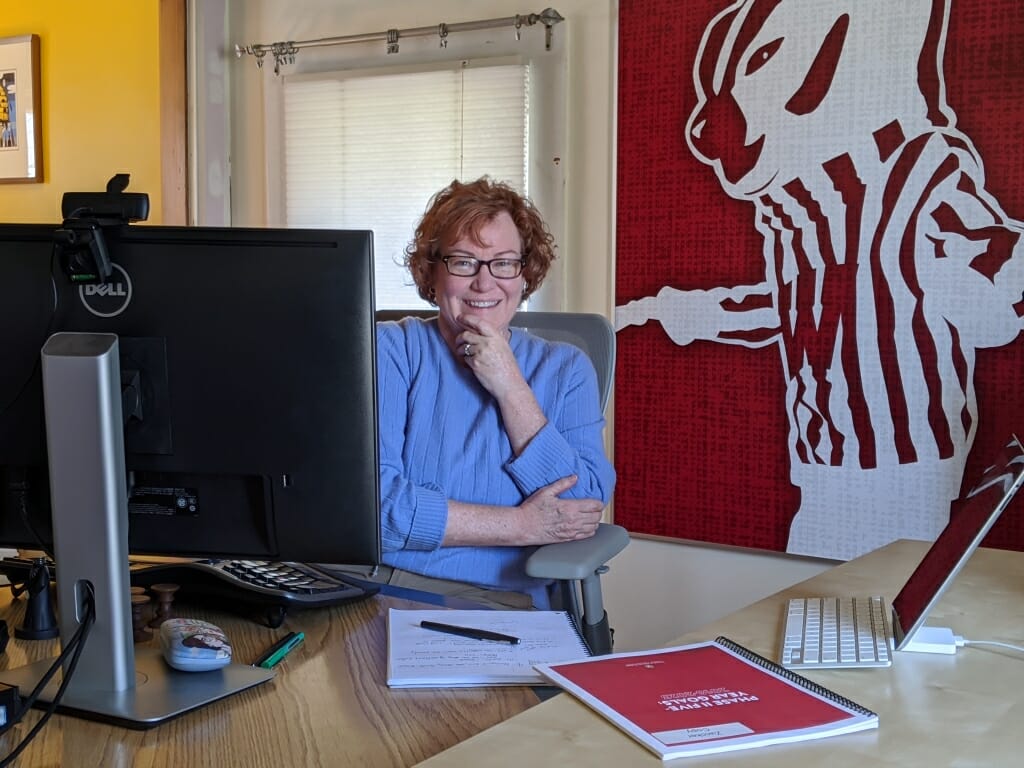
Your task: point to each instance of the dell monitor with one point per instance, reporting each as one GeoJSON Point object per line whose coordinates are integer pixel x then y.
{"type": "Point", "coordinates": [245, 396]}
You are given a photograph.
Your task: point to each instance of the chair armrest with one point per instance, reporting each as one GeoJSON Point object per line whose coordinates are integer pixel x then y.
{"type": "Point", "coordinates": [577, 560]}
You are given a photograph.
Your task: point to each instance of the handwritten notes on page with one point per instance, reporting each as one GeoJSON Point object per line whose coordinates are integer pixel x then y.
{"type": "Point", "coordinates": [423, 658]}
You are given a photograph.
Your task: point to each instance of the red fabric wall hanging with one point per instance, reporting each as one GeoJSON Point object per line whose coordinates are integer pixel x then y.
{"type": "Point", "coordinates": [829, 206]}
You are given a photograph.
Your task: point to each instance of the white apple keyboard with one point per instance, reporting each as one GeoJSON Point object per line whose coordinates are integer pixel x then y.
{"type": "Point", "coordinates": [831, 632]}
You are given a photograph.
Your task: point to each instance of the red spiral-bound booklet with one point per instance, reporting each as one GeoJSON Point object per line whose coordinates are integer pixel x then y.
{"type": "Point", "coordinates": [707, 697]}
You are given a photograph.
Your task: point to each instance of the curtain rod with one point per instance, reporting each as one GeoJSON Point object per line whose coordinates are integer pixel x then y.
{"type": "Point", "coordinates": [284, 52]}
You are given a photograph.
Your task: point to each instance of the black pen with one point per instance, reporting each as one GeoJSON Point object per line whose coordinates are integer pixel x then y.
{"type": "Point", "coordinates": [475, 634]}
{"type": "Point", "coordinates": [279, 650]}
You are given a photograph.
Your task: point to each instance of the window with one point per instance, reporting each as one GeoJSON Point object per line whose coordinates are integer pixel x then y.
{"type": "Point", "coordinates": [367, 150]}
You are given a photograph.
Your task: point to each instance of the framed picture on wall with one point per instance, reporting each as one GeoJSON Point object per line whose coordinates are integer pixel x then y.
{"type": "Point", "coordinates": [21, 135]}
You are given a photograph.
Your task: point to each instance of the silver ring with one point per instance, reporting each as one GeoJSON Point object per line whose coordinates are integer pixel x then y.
{"type": "Point", "coordinates": [468, 350]}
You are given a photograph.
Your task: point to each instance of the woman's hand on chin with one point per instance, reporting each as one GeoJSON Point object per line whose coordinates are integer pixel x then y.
{"type": "Point", "coordinates": [486, 351]}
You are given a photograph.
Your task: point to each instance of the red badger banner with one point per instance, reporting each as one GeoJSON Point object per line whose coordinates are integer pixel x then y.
{"type": "Point", "coordinates": [820, 267]}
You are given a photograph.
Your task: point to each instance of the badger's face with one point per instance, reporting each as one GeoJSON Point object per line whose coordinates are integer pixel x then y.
{"type": "Point", "coordinates": [785, 84]}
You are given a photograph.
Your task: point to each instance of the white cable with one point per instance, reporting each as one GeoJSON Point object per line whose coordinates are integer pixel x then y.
{"type": "Point", "coordinates": [960, 642]}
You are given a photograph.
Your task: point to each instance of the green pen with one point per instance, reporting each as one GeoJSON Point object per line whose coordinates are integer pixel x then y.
{"type": "Point", "coordinates": [276, 653]}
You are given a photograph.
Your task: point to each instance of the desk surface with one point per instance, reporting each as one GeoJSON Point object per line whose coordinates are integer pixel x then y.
{"type": "Point", "coordinates": [327, 706]}
{"type": "Point", "coordinates": [966, 709]}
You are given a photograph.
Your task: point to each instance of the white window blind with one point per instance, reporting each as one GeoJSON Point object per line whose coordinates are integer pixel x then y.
{"type": "Point", "coordinates": [368, 151]}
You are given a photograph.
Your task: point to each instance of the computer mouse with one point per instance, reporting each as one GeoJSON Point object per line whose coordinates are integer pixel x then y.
{"type": "Point", "coordinates": [193, 645]}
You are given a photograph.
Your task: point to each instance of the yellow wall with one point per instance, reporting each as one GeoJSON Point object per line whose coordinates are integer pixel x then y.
{"type": "Point", "coordinates": [100, 94]}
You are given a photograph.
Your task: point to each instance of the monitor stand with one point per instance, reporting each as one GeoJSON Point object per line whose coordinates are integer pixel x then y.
{"type": "Point", "coordinates": [112, 681]}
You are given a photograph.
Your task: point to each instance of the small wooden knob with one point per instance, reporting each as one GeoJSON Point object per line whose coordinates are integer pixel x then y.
{"type": "Point", "coordinates": [164, 596]}
{"type": "Point", "coordinates": [140, 632]}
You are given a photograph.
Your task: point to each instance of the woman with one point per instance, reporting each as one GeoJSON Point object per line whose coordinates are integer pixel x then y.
{"type": "Point", "coordinates": [490, 437]}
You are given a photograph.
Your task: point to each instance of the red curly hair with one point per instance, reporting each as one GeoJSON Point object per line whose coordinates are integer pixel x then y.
{"type": "Point", "coordinates": [461, 210]}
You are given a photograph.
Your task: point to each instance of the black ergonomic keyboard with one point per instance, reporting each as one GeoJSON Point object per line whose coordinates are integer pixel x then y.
{"type": "Point", "coordinates": [242, 586]}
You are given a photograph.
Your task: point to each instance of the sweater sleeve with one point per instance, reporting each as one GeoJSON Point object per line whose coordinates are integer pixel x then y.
{"type": "Point", "coordinates": [412, 516]}
{"type": "Point", "coordinates": [571, 443]}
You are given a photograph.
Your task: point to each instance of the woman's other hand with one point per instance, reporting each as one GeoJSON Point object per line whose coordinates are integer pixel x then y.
{"type": "Point", "coordinates": [551, 518]}
{"type": "Point", "coordinates": [543, 518]}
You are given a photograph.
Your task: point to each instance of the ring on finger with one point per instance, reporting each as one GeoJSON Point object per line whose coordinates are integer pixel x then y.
{"type": "Point", "coordinates": [468, 350]}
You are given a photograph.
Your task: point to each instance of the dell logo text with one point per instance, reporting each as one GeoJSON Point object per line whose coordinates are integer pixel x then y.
{"type": "Point", "coordinates": [114, 289]}
{"type": "Point", "coordinates": [108, 299]}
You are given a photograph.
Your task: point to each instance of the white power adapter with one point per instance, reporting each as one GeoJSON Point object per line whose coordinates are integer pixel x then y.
{"type": "Point", "coordinates": [932, 640]}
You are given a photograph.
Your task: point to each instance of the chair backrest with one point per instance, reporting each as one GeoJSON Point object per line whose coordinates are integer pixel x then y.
{"type": "Point", "coordinates": [590, 332]}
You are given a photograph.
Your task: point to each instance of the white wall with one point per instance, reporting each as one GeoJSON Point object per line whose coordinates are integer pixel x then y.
{"type": "Point", "coordinates": [656, 590]}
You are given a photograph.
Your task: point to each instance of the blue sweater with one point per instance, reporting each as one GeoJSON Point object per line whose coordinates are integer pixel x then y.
{"type": "Point", "coordinates": [441, 438]}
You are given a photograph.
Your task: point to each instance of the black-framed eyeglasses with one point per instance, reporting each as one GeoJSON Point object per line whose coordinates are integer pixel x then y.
{"type": "Point", "coordinates": [467, 266]}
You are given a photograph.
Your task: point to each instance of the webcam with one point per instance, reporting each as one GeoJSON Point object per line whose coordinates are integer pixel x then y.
{"type": "Point", "coordinates": [115, 206]}
{"type": "Point", "coordinates": [79, 243]}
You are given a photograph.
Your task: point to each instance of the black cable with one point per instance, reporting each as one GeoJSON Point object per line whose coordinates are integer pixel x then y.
{"type": "Point", "coordinates": [74, 647]}
{"type": "Point", "coordinates": [77, 639]}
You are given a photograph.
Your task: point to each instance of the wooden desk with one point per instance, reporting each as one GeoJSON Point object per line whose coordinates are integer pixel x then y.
{"type": "Point", "coordinates": [934, 710]}
{"type": "Point", "coordinates": [327, 706]}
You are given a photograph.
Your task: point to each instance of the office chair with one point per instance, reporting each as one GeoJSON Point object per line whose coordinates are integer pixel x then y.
{"type": "Point", "coordinates": [575, 566]}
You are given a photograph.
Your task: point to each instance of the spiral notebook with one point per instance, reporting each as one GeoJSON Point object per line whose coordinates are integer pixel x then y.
{"type": "Point", "coordinates": [709, 697]}
{"type": "Point", "coordinates": [428, 658]}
